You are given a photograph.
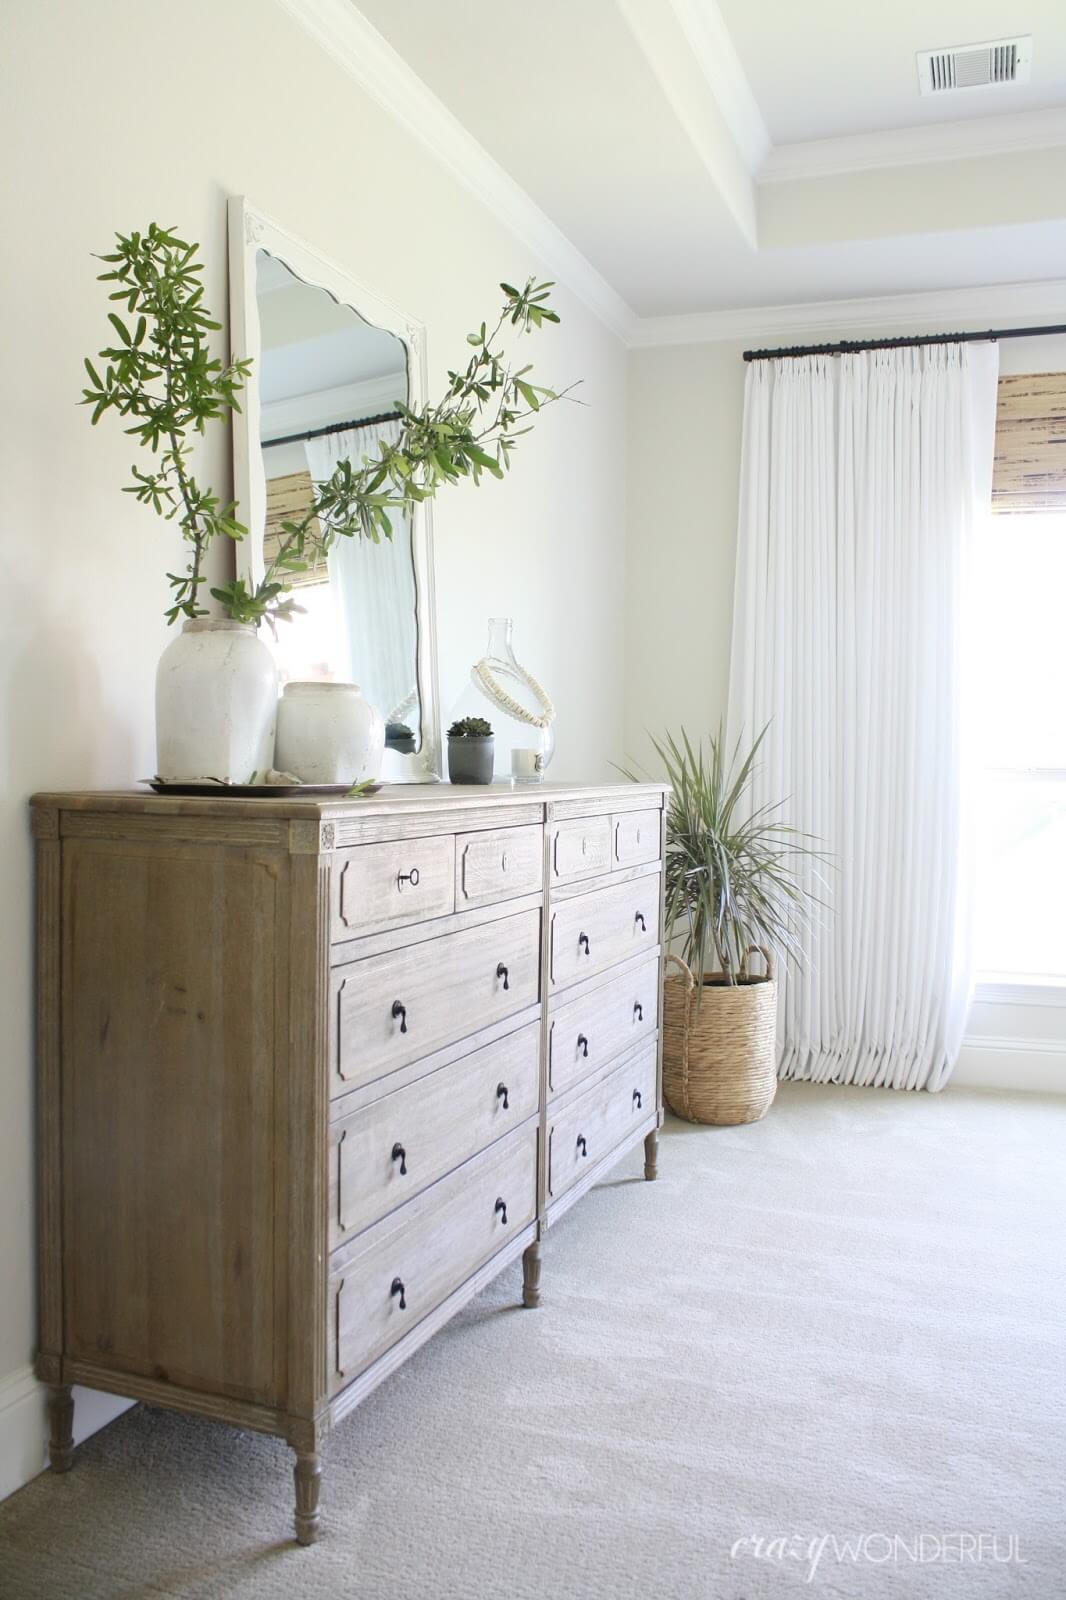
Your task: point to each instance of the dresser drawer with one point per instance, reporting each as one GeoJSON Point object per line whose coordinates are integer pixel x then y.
{"type": "Point", "coordinates": [591, 1126]}
{"type": "Point", "coordinates": [500, 864]}
{"type": "Point", "coordinates": [579, 848]}
{"type": "Point", "coordinates": [637, 837]}
{"type": "Point", "coordinates": [380, 886]}
{"type": "Point", "coordinates": [391, 1009]}
{"type": "Point", "coordinates": [585, 1034]}
{"type": "Point", "coordinates": [389, 1151]}
{"type": "Point", "coordinates": [383, 1284]}
{"type": "Point", "coordinates": [600, 928]}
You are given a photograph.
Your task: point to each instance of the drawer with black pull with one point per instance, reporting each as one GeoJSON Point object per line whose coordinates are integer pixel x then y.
{"type": "Point", "coordinates": [587, 1129]}
{"type": "Point", "coordinates": [387, 1280]}
{"type": "Point", "coordinates": [595, 930]}
{"type": "Point", "coordinates": [390, 1009]}
{"type": "Point", "coordinates": [585, 1034]}
{"type": "Point", "coordinates": [390, 1150]}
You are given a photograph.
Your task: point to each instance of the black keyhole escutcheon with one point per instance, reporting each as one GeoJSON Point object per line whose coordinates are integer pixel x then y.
{"type": "Point", "coordinates": [501, 1210]}
{"type": "Point", "coordinates": [501, 972]}
{"type": "Point", "coordinates": [398, 1289]}
{"type": "Point", "coordinates": [400, 1010]}
{"type": "Point", "coordinates": [501, 1094]}
{"type": "Point", "coordinates": [400, 1154]}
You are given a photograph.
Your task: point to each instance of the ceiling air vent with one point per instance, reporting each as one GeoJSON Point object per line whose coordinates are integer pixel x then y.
{"type": "Point", "coordinates": [975, 66]}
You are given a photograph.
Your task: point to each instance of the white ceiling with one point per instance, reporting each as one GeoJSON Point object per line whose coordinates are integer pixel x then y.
{"type": "Point", "coordinates": [833, 68]}
{"type": "Point", "coordinates": [688, 156]}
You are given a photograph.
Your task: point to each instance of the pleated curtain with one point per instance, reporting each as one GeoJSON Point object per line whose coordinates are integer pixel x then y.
{"type": "Point", "coordinates": [864, 480]}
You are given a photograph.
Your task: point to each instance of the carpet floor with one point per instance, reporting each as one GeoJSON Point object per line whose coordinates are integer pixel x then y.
{"type": "Point", "coordinates": [823, 1354]}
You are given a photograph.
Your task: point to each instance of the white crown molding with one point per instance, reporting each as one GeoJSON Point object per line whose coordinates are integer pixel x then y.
{"type": "Point", "coordinates": [775, 325]}
{"type": "Point", "coordinates": [712, 46]}
{"type": "Point", "coordinates": [1003, 134]}
{"type": "Point", "coordinates": [357, 47]}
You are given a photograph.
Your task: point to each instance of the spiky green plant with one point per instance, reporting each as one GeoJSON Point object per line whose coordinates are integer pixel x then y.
{"type": "Point", "coordinates": [734, 870]}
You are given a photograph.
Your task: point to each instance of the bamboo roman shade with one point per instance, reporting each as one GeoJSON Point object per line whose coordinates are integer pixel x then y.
{"type": "Point", "coordinates": [1029, 473]}
{"type": "Point", "coordinates": [289, 499]}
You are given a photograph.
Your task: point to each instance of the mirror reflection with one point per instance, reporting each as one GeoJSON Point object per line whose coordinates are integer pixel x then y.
{"type": "Point", "coordinates": [329, 383]}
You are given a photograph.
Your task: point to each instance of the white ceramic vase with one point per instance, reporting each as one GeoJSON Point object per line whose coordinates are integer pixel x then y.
{"type": "Point", "coordinates": [216, 701]}
{"type": "Point", "coordinates": [329, 733]}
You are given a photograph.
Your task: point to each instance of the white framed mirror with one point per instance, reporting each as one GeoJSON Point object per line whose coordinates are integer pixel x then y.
{"type": "Point", "coordinates": [331, 358]}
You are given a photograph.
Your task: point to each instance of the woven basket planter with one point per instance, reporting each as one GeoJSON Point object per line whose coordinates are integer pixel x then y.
{"type": "Point", "coordinates": [719, 1056]}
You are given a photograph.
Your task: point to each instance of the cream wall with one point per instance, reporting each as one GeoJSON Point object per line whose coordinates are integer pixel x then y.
{"type": "Point", "coordinates": [119, 112]}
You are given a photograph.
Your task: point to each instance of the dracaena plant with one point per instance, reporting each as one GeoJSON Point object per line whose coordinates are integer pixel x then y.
{"type": "Point", "coordinates": [736, 872]}
{"type": "Point", "coordinates": [160, 374]}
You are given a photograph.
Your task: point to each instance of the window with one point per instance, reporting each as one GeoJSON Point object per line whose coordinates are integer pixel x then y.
{"type": "Point", "coordinates": [1020, 923]}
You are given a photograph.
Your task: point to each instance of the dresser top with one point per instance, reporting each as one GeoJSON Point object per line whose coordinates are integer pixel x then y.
{"type": "Point", "coordinates": [391, 799]}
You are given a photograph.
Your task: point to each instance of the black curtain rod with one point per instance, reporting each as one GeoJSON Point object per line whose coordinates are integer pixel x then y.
{"type": "Point", "coordinates": [848, 347]}
{"type": "Point", "coordinates": [334, 427]}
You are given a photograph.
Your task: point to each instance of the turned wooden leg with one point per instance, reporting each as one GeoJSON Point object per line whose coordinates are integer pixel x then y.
{"type": "Point", "coordinates": [651, 1156]}
{"type": "Point", "coordinates": [61, 1427]}
{"type": "Point", "coordinates": [307, 1475]}
{"type": "Point", "coordinates": [531, 1275]}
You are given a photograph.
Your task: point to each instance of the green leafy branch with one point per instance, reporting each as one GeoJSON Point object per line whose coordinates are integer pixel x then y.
{"type": "Point", "coordinates": [161, 374]}
{"type": "Point", "coordinates": [473, 430]}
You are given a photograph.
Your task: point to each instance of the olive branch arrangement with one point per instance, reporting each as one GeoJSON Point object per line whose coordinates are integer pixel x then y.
{"type": "Point", "coordinates": [162, 375]}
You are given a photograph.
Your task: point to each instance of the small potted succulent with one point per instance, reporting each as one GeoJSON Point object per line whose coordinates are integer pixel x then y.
{"type": "Point", "coordinates": [471, 751]}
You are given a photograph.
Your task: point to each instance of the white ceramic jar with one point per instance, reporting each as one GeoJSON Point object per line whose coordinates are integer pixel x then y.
{"type": "Point", "coordinates": [329, 733]}
{"type": "Point", "coordinates": [216, 700]}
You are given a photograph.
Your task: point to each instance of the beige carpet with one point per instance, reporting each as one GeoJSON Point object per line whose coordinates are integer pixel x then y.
{"type": "Point", "coordinates": [838, 1332]}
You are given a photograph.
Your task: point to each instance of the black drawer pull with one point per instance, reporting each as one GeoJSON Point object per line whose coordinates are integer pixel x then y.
{"type": "Point", "coordinates": [501, 972]}
{"type": "Point", "coordinates": [582, 1144]}
{"type": "Point", "coordinates": [500, 1209]}
{"type": "Point", "coordinates": [583, 943]}
{"type": "Point", "coordinates": [640, 918]}
{"type": "Point", "coordinates": [400, 1010]}
{"type": "Point", "coordinates": [582, 1044]}
{"type": "Point", "coordinates": [400, 1154]}
{"type": "Point", "coordinates": [501, 1094]}
{"type": "Point", "coordinates": [638, 1011]}
{"type": "Point", "coordinates": [408, 877]}
{"type": "Point", "coordinates": [398, 1289]}
{"type": "Point", "coordinates": [638, 1099]}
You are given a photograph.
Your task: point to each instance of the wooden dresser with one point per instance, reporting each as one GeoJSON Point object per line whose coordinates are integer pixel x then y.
{"type": "Point", "coordinates": [312, 1073]}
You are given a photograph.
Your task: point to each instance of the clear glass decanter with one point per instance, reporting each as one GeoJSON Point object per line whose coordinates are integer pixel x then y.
{"type": "Point", "coordinates": [523, 751]}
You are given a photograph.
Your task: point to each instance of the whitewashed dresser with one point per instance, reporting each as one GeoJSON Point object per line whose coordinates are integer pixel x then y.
{"type": "Point", "coordinates": [312, 1073]}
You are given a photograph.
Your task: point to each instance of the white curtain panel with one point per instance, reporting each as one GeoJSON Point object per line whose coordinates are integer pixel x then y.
{"type": "Point", "coordinates": [374, 584]}
{"type": "Point", "coordinates": [864, 480]}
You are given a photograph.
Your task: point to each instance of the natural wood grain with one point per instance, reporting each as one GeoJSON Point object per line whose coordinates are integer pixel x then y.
{"type": "Point", "coordinates": [402, 1268]}
{"type": "Point", "coordinates": [499, 864]}
{"type": "Point", "coordinates": [531, 1276]}
{"type": "Point", "coordinates": [590, 1127]}
{"type": "Point", "coordinates": [385, 1153]}
{"type": "Point", "coordinates": [605, 926]}
{"type": "Point", "coordinates": [167, 1111]}
{"type": "Point", "coordinates": [49, 1100]}
{"type": "Point", "coordinates": [392, 885]}
{"type": "Point", "coordinates": [307, 1478]}
{"type": "Point", "coordinates": [392, 1009]}
{"type": "Point", "coordinates": [580, 849]}
{"type": "Point", "coordinates": [60, 1427]}
{"type": "Point", "coordinates": [600, 1025]}
{"type": "Point", "coordinates": [651, 1156]}
{"type": "Point", "coordinates": [635, 837]}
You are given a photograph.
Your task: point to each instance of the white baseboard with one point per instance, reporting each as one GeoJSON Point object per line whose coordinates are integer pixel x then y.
{"type": "Point", "coordinates": [24, 1425]}
{"type": "Point", "coordinates": [1035, 1065]}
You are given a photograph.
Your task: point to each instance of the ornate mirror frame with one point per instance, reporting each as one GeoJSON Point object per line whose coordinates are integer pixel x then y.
{"type": "Point", "coordinates": [251, 230]}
